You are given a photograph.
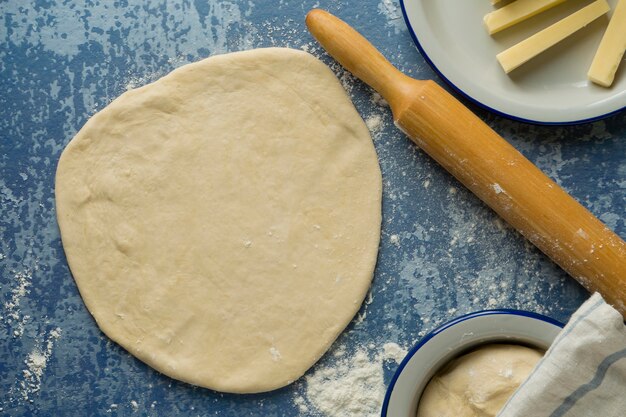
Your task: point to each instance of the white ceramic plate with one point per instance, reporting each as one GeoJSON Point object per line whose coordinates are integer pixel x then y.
{"type": "Point", "coordinates": [550, 89]}
{"type": "Point", "coordinates": [456, 337]}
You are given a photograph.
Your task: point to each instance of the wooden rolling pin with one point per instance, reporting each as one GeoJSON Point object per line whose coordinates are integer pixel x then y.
{"type": "Point", "coordinates": [486, 164]}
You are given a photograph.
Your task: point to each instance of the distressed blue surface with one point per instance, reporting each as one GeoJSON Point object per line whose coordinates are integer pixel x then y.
{"type": "Point", "coordinates": [443, 253]}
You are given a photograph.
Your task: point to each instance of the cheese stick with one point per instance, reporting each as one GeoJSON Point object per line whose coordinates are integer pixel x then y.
{"type": "Point", "coordinates": [611, 49]}
{"type": "Point", "coordinates": [550, 36]}
{"type": "Point", "coordinates": [516, 12]}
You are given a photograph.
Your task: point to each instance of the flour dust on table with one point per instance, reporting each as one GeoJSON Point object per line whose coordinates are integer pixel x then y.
{"type": "Point", "coordinates": [352, 385]}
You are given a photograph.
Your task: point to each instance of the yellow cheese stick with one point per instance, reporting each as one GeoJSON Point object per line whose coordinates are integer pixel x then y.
{"type": "Point", "coordinates": [550, 36]}
{"type": "Point", "coordinates": [611, 49]}
{"type": "Point", "coordinates": [516, 12]}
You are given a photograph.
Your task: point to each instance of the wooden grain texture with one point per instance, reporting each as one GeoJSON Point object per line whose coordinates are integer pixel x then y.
{"type": "Point", "coordinates": [486, 164]}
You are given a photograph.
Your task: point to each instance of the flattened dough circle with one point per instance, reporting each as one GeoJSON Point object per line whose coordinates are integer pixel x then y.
{"type": "Point", "coordinates": [222, 224]}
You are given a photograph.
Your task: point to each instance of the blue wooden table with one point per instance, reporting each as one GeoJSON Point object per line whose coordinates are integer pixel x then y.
{"type": "Point", "coordinates": [443, 253]}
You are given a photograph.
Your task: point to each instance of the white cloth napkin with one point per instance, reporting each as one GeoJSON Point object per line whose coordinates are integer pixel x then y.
{"type": "Point", "coordinates": [583, 373]}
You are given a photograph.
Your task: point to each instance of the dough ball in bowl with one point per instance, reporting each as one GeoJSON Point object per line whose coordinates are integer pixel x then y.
{"type": "Point", "coordinates": [478, 383]}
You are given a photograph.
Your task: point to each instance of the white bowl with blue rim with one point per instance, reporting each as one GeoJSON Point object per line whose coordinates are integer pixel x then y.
{"type": "Point", "coordinates": [455, 338]}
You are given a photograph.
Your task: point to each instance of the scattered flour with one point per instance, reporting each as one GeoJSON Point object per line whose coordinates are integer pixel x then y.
{"type": "Point", "coordinates": [353, 386]}
{"type": "Point", "coordinates": [378, 100]}
{"type": "Point", "coordinates": [395, 240]}
{"type": "Point", "coordinates": [275, 354]}
{"type": "Point", "coordinates": [393, 352]}
{"type": "Point", "coordinates": [36, 363]}
{"type": "Point", "coordinates": [391, 10]}
{"type": "Point", "coordinates": [136, 81]}
{"type": "Point", "coordinates": [178, 61]}
{"type": "Point", "coordinates": [374, 123]}
{"type": "Point", "coordinates": [497, 188]}
{"type": "Point", "coordinates": [12, 316]}
{"type": "Point", "coordinates": [300, 402]}
{"type": "Point", "coordinates": [346, 78]}
{"type": "Point", "coordinates": [360, 317]}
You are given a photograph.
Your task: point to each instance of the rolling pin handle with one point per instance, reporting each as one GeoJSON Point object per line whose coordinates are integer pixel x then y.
{"type": "Point", "coordinates": [359, 56]}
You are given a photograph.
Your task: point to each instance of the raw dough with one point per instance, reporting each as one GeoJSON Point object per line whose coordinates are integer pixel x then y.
{"type": "Point", "coordinates": [479, 383]}
{"type": "Point", "coordinates": [222, 223]}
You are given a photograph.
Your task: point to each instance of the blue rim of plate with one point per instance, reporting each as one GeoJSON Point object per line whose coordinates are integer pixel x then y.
{"type": "Point", "coordinates": [484, 106]}
{"type": "Point", "coordinates": [446, 326]}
